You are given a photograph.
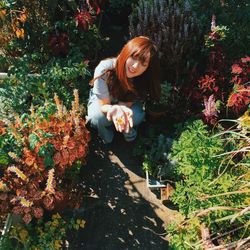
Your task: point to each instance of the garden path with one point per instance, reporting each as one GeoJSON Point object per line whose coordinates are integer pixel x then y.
{"type": "Point", "coordinates": [120, 211]}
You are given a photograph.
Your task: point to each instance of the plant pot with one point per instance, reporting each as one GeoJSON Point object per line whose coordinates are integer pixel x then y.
{"type": "Point", "coordinates": [153, 183]}
{"type": "Point", "coordinates": [166, 192]}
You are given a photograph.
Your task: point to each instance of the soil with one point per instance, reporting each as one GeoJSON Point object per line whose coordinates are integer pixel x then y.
{"type": "Point", "coordinates": [120, 211]}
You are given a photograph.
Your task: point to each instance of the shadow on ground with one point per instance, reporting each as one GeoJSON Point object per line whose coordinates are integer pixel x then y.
{"type": "Point", "coordinates": [118, 211]}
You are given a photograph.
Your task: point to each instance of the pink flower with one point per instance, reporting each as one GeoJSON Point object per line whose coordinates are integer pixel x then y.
{"type": "Point", "coordinates": [236, 69]}
{"type": "Point", "coordinates": [245, 59]}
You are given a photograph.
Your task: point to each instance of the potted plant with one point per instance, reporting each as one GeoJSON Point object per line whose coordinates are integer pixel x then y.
{"type": "Point", "coordinates": [156, 163]}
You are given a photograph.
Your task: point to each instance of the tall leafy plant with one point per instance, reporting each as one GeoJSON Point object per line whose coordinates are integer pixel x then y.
{"type": "Point", "coordinates": [175, 29]}
{"type": "Point", "coordinates": [239, 99]}
{"type": "Point", "coordinates": [40, 147]}
{"type": "Point", "coordinates": [233, 14]}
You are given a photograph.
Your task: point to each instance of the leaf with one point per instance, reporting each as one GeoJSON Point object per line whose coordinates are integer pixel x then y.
{"type": "Point", "coordinates": [42, 151]}
{"type": "Point", "coordinates": [4, 159]}
{"type": "Point", "coordinates": [23, 117]}
{"type": "Point", "coordinates": [45, 135]}
{"type": "Point", "coordinates": [48, 161]}
{"type": "Point", "coordinates": [33, 140]}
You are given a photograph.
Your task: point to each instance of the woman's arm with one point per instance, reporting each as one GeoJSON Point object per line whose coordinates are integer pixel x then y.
{"type": "Point", "coordinates": [105, 105]}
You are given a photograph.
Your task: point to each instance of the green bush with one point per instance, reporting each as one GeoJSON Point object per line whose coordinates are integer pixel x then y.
{"type": "Point", "coordinates": [233, 14]}
{"type": "Point", "coordinates": [213, 189]}
{"type": "Point", "coordinates": [58, 76]}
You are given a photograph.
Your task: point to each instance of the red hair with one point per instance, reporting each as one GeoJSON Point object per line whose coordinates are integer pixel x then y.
{"type": "Point", "coordinates": [146, 84]}
{"type": "Point", "coordinates": [140, 47]}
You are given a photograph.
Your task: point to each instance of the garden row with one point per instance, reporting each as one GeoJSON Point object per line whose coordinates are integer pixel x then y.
{"type": "Point", "coordinates": [200, 147]}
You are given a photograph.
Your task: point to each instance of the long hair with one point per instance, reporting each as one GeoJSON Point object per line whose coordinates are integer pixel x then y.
{"type": "Point", "coordinates": [142, 86]}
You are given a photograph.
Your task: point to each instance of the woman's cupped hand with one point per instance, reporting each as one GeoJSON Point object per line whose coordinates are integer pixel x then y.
{"type": "Point", "coordinates": [121, 117]}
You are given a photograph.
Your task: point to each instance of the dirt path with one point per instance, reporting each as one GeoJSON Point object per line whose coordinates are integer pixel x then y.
{"type": "Point", "coordinates": [120, 211]}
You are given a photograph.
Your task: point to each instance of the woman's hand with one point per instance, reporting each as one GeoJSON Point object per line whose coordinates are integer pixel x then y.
{"type": "Point", "coordinates": [121, 117]}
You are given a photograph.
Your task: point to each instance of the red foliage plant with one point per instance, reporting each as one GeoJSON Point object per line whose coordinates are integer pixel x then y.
{"type": "Point", "coordinates": [212, 85]}
{"type": "Point", "coordinates": [84, 19]}
{"type": "Point", "coordinates": [86, 14]}
{"type": "Point", "coordinates": [36, 182]}
{"type": "Point", "coordinates": [59, 43]}
{"type": "Point", "coordinates": [210, 113]}
{"type": "Point", "coordinates": [239, 99]}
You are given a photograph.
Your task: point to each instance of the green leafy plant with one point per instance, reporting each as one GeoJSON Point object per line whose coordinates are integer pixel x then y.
{"type": "Point", "coordinates": [213, 193]}
{"type": "Point", "coordinates": [156, 160]}
{"type": "Point", "coordinates": [30, 83]}
{"type": "Point", "coordinates": [49, 234]}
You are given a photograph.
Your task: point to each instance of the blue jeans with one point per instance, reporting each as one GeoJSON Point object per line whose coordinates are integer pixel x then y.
{"type": "Point", "coordinates": [106, 128]}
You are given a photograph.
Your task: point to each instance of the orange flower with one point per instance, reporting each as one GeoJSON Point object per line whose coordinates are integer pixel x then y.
{"type": "Point", "coordinates": [19, 33]}
{"type": "Point", "coordinates": [22, 17]}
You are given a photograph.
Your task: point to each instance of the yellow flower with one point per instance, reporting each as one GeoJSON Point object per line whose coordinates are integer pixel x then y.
{"type": "Point", "coordinates": [3, 186]}
{"type": "Point", "coordinates": [55, 223]}
{"type": "Point", "coordinates": [23, 235]}
{"type": "Point", "coordinates": [56, 216]}
{"type": "Point", "coordinates": [18, 172]}
{"type": "Point", "coordinates": [81, 223]}
{"type": "Point", "coordinates": [244, 121]}
{"type": "Point", "coordinates": [57, 244]}
{"type": "Point", "coordinates": [49, 185]}
{"type": "Point", "coordinates": [20, 33]}
{"type": "Point", "coordinates": [25, 203]}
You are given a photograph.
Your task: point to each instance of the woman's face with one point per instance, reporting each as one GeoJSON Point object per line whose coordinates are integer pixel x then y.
{"type": "Point", "coordinates": [135, 67]}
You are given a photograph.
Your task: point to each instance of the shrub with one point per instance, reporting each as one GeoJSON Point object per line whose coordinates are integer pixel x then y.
{"type": "Point", "coordinates": [41, 146]}
{"type": "Point", "coordinates": [50, 234]}
{"type": "Point", "coordinates": [235, 15]}
{"type": "Point", "coordinates": [213, 193]}
{"type": "Point", "coordinates": [58, 76]}
{"type": "Point", "coordinates": [50, 28]}
{"type": "Point", "coordinates": [239, 99]}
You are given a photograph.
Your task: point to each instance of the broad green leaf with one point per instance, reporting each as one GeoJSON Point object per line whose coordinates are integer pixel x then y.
{"type": "Point", "coordinates": [33, 140]}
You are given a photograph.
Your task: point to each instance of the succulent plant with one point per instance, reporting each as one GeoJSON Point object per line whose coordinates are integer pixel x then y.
{"type": "Point", "coordinates": [175, 30]}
